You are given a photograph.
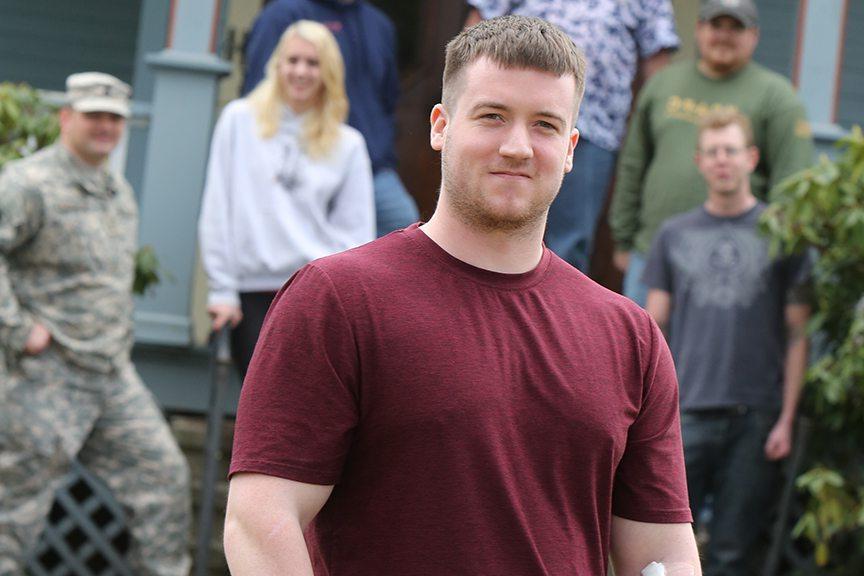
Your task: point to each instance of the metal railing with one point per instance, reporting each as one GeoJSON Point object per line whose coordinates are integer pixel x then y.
{"type": "Point", "coordinates": [220, 373]}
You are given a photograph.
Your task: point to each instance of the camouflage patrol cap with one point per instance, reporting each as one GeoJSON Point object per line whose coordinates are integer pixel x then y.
{"type": "Point", "coordinates": [97, 92]}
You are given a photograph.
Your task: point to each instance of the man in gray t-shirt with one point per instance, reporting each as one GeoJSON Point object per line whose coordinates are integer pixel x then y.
{"type": "Point", "coordinates": [735, 319]}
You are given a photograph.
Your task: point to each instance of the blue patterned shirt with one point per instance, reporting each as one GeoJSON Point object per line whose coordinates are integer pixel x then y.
{"type": "Point", "coordinates": [614, 35]}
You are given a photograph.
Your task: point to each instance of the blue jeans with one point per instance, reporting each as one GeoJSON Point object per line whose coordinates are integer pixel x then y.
{"type": "Point", "coordinates": [574, 213]}
{"type": "Point", "coordinates": [394, 207]}
{"type": "Point", "coordinates": [725, 457]}
{"type": "Point", "coordinates": [634, 288]}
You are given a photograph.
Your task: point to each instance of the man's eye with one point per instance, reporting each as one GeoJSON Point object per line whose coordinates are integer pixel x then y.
{"type": "Point", "coordinates": [547, 126]}
{"type": "Point", "coordinates": [492, 116]}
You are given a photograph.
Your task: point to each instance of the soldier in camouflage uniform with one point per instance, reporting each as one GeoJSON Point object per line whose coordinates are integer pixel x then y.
{"type": "Point", "coordinates": [68, 231]}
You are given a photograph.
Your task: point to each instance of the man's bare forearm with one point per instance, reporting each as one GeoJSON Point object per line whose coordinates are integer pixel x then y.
{"type": "Point", "coordinates": [253, 550]}
{"type": "Point", "coordinates": [636, 544]}
{"type": "Point", "coordinates": [264, 524]}
{"type": "Point", "coordinates": [795, 364]}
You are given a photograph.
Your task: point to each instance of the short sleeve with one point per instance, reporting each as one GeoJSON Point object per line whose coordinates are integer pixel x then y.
{"type": "Point", "coordinates": [298, 407]}
{"type": "Point", "coordinates": [650, 482]}
{"type": "Point", "coordinates": [656, 29]}
{"type": "Point", "coordinates": [658, 271]}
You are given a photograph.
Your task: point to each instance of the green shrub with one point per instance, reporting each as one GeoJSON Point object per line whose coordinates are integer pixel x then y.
{"type": "Point", "coordinates": [27, 123]}
{"type": "Point", "coordinates": [823, 208]}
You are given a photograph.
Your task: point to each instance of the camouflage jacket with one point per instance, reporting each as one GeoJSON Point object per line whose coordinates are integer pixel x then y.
{"type": "Point", "coordinates": [67, 241]}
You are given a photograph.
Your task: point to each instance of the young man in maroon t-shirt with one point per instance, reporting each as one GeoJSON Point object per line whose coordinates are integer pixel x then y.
{"type": "Point", "coordinates": [453, 398]}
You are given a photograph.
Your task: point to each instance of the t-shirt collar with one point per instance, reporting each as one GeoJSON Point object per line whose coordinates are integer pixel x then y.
{"type": "Point", "coordinates": [499, 280]}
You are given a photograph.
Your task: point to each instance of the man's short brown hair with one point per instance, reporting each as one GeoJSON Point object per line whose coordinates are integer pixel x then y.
{"type": "Point", "coordinates": [513, 42]}
{"type": "Point", "coordinates": [723, 117]}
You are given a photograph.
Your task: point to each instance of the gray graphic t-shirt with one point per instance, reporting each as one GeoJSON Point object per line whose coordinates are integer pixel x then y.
{"type": "Point", "coordinates": [727, 329]}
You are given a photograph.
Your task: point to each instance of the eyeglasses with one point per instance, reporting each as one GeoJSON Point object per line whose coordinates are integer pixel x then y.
{"type": "Point", "coordinates": [728, 151]}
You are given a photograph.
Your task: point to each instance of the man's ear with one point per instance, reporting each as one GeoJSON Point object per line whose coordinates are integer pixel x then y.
{"type": "Point", "coordinates": [438, 127]}
{"type": "Point", "coordinates": [573, 140]}
{"type": "Point", "coordinates": [756, 36]}
{"type": "Point", "coordinates": [753, 157]}
{"type": "Point", "coordinates": [64, 114]}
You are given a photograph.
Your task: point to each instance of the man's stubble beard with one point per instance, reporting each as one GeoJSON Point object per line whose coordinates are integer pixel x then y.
{"type": "Point", "coordinates": [468, 206]}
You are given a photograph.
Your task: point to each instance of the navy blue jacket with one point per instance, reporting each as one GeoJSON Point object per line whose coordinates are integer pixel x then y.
{"type": "Point", "coordinates": [367, 39]}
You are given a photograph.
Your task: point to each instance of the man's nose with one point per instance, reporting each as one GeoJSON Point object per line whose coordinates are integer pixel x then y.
{"type": "Point", "coordinates": [726, 32]}
{"type": "Point", "coordinates": [517, 143]}
{"type": "Point", "coordinates": [105, 122]}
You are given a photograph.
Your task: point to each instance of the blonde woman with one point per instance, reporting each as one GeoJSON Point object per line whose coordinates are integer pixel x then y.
{"type": "Point", "coordinates": [287, 182]}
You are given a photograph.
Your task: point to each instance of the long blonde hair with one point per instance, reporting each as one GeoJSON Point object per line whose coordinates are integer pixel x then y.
{"type": "Point", "coordinates": [321, 128]}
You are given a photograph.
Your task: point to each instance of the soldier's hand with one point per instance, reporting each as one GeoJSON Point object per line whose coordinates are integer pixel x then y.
{"type": "Point", "coordinates": [221, 314]}
{"type": "Point", "coordinates": [621, 260]}
{"type": "Point", "coordinates": [37, 340]}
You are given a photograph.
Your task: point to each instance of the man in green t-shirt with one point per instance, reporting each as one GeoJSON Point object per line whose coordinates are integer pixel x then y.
{"type": "Point", "coordinates": [655, 177]}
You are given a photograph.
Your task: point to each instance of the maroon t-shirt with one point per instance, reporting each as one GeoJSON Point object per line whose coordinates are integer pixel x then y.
{"type": "Point", "coordinates": [472, 422]}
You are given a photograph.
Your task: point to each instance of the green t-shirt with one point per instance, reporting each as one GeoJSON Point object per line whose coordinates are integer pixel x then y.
{"type": "Point", "coordinates": [657, 177]}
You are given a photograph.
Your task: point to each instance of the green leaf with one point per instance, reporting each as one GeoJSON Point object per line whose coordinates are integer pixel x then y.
{"type": "Point", "coordinates": [822, 554]}
{"type": "Point", "coordinates": [147, 270]}
{"type": "Point", "coordinates": [26, 122]}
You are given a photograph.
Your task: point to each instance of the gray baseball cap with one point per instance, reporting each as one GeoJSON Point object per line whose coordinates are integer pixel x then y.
{"type": "Point", "coordinates": [742, 10]}
{"type": "Point", "coordinates": [98, 92]}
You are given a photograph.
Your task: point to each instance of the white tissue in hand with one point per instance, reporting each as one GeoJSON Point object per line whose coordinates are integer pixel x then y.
{"type": "Point", "coordinates": [654, 569]}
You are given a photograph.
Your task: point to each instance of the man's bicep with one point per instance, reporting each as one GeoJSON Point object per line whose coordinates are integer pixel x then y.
{"type": "Point", "coordinates": [634, 545]}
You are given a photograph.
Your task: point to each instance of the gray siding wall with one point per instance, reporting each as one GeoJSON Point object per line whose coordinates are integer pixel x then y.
{"type": "Point", "coordinates": [778, 26]}
{"type": "Point", "coordinates": [850, 108]}
{"type": "Point", "coordinates": [82, 35]}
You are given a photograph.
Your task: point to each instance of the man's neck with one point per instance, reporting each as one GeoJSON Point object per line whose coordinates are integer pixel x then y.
{"type": "Point", "coordinates": [508, 252]}
{"type": "Point", "coordinates": [92, 163]}
{"type": "Point", "coordinates": [715, 73]}
{"type": "Point", "coordinates": [730, 205]}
